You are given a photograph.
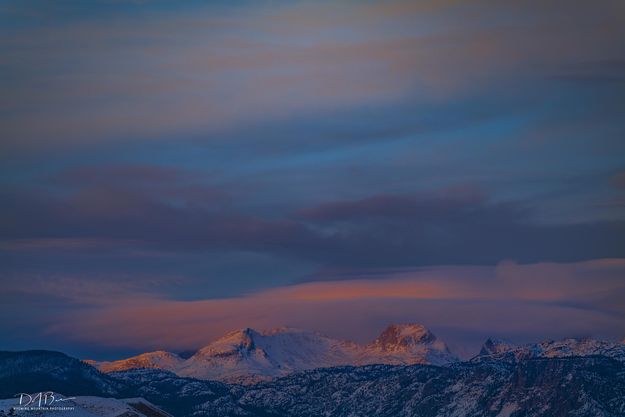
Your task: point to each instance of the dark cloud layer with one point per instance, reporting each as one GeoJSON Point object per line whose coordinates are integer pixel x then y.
{"type": "Point", "coordinates": [163, 209]}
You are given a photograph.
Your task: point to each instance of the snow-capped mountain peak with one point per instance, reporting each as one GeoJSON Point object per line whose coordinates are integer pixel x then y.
{"type": "Point", "coordinates": [248, 355]}
{"type": "Point", "coordinates": [239, 340]}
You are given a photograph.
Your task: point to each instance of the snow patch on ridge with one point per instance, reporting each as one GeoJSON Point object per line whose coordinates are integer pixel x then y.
{"type": "Point", "coordinates": [153, 360]}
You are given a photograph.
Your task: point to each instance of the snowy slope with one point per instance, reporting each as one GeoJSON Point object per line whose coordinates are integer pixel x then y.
{"type": "Point", "coordinates": [249, 356]}
{"type": "Point", "coordinates": [87, 407]}
{"type": "Point", "coordinates": [152, 360]}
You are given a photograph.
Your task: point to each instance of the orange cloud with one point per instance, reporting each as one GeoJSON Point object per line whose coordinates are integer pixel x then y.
{"type": "Point", "coordinates": [538, 300]}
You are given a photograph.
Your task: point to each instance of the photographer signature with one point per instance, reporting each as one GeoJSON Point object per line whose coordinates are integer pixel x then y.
{"type": "Point", "coordinates": [39, 399]}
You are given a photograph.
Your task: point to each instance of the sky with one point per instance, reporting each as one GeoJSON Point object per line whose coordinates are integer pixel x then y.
{"type": "Point", "coordinates": [170, 171]}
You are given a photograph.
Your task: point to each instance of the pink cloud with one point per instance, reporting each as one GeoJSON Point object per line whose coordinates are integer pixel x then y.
{"type": "Point", "coordinates": [545, 300]}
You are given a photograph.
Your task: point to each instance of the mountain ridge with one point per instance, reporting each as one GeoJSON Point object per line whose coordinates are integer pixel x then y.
{"type": "Point", "coordinates": [250, 356]}
{"type": "Point", "coordinates": [494, 349]}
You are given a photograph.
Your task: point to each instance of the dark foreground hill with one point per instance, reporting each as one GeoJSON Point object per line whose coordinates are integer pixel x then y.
{"type": "Point", "coordinates": [43, 370]}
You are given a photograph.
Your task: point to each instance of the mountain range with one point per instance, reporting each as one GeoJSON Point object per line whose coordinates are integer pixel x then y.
{"type": "Point", "coordinates": [570, 377]}
{"type": "Point", "coordinates": [249, 356]}
{"type": "Point", "coordinates": [494, 349]}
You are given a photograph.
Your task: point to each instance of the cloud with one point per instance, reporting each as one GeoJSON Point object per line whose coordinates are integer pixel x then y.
{"type": "Point", "coordinates": [84, 291]}
{"type": "Point", "coordinates": [459, 224]}
{"type": "Point", "coordinates": [206, 70]}
{"type": "Point", "coordinates": [134, 175]}
{"type": "Point", "coordinates": [595, 72]}
{"type": "Point", "coordinates": [397, 206]}
{"type": "Point", "coordinates": [135, 208]}
{"type": "Point", "coordinates": [618, 180]}
{"type": "Point", "coordinates": [250, 146]}
{"type": "Point", "coordinates": [62, 244]}
{"type": "Point", "coordinates": [521, 302]}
